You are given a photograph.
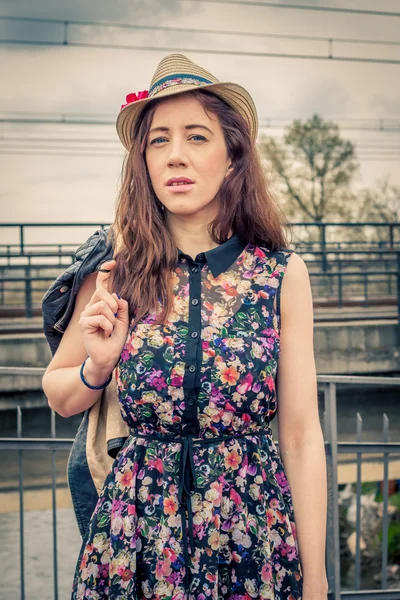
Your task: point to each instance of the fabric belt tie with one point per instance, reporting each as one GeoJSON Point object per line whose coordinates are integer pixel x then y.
{"type": "Point", "coordinates": [187, 476]}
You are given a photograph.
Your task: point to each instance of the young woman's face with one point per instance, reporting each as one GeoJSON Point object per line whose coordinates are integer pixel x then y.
{"type": "Point", "coordinates": [184, 142]}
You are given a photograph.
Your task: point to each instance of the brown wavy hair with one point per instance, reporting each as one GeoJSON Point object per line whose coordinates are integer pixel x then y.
{"type": "Point", "coordinates": [144, 249]}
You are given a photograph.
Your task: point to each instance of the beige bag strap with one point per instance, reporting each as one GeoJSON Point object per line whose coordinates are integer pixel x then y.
{"type": "Point", "coordinates": [105, 423]}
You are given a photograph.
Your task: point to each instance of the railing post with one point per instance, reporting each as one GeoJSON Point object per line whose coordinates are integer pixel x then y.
{"type": "Point", "coordinates": [333, 534]}
{"type": "Point", "coordinates": [340, 290]}
{"type": "Point", "coordinates": [28, 292]}
{"type": "Point", "coordinates": [358, 505]}
{"type": "Point", "coordinates": [323, 246]}
{"type": "Point", "coordinates": [391, 237]}
{"type": "Point", "coordinates": [21, 506]}
{"type": "Point", "coordinates": [54, 505]}
{"type": "Point", "coordinates": [385, 516]}
{"type": "Point", "coordinates": [21, 239]}
{"type": "Point", "coordinates": [398, 283]}
{"type": "Point", "coordinates": [366, 289]}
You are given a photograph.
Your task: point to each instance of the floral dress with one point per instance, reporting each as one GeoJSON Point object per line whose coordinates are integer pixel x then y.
{"type": "Point", "coordinates": [196, 505]}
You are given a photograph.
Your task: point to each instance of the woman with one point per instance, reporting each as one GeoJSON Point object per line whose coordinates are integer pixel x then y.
{"type": "Point", "coordinates": [198, 502]}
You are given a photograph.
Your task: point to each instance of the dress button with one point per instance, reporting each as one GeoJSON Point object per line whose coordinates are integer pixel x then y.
{"type": "Point", "coordinates": [192, 368]}
{"type": "Point", "coordinates": [64, 288]}
{"type": "Point", "coordinates": [200, 256]}
{"type": "Point", "coordinates": [195, 301]}
{"type": "Point", "coordinates": [194, 334]}
{"type": "Point", "coordinates": [191, 401]}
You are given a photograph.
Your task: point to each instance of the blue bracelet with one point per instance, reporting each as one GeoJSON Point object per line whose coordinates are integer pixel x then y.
{"type": "Point", "coordinates": [94, 387]}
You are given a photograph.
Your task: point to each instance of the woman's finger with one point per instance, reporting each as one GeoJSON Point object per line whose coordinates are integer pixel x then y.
{"type": "Point", "coordinates": [103, 276]}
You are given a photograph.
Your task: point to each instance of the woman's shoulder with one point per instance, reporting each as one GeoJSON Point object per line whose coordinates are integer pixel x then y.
{"type": "Point", "coordinates": [296, 267]}
{"type": "Point", "coordinates": [296, 286]}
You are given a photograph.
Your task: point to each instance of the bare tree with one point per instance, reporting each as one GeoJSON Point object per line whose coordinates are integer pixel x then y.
{"type": "Point", "coordinates": [314, 167]}
{"type": "Point", "coordinates": [381, 203]}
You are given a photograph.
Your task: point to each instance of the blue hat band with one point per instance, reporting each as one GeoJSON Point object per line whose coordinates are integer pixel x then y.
{"type": "Point", "coordinates": [177, 79]}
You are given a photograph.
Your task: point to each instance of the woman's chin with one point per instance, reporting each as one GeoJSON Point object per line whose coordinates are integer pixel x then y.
{"type": "Point", "coordinates": [184, 206]}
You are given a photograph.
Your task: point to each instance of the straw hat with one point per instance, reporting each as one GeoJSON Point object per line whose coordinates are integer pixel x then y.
{"type": "Point", "coordinates": [176, 74]}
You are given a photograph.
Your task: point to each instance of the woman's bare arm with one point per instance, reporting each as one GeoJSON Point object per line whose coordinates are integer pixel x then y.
{"type": "Point", "coordinates": [301, 440]}
{"type": "Point", "coordinates": [66, 393]}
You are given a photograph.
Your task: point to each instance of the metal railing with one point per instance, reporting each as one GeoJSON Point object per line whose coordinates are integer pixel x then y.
{"type": "Point", "coordinates": [333, 449]}
{"type": "Point", "coordinates": [391, 233]}
{"type": "Point", "coordinates": [339, 270]}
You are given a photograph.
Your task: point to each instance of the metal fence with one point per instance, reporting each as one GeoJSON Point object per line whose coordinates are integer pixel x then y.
{"type": "Point", "coordinates": [311, 235]}
{"type": "Point", "coordinates": [363, 272]}
{"type": "Point", "coordinates": [360, 448]}
{"type": "Point", "coordinates": [333, 447]}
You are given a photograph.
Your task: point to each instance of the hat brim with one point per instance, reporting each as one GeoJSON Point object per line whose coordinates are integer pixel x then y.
{"type": "Point", "coordinates": [234, 94]}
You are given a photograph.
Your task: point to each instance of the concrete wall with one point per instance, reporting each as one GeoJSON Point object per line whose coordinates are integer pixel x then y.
{"type": "Point", "coordinates": [339, 349]}
{"type": "Point", "coordinates": [345, 349]}
{"type": "Point", "coordinates": [357, 348]}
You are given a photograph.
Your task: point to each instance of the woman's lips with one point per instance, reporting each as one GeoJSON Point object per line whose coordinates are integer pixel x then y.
{"type": "Point", "coordinates": [182, 187]}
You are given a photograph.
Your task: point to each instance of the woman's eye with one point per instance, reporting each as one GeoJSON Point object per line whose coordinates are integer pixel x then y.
{"type": "Point", "coordinates": [156, 140]}
{"type": "Point", "coordinates": [163, 138]}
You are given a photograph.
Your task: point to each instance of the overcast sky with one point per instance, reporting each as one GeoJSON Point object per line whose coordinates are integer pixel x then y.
{"type": "Point", "coordinates": [40, 81]}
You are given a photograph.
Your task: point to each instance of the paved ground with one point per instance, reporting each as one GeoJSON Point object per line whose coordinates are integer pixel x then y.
{"type": "Point", "coordinates": [39, 581]}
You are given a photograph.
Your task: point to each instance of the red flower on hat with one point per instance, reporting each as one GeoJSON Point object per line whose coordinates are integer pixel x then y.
{"type": "Point", "coordinates": [133, 97]}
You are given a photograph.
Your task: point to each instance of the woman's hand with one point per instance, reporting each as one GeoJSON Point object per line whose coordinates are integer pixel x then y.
{"type": "Point", "coordinates": [104, 323]}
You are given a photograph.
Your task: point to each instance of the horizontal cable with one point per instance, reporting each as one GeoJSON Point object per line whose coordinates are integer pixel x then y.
{"type": "Point", "coordinates": [103, 24]}
{"type": "Point", "coordinates": [329, 56]}
{"type": "Point", "coordinates": [382, 123]}
{"type": "Point", "coordinates": [357, 11]}
{"type": "Point", "coordinates": [92, 154]}
{"type": "Point", "coordinates": [30, 141]}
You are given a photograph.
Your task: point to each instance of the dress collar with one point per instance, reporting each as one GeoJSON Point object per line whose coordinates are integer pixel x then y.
{"type": "Point", "coordinates": [219, 258]}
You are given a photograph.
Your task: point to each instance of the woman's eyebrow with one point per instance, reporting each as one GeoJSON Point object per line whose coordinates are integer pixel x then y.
{"type": "Point", "coordinates": [191, 126]}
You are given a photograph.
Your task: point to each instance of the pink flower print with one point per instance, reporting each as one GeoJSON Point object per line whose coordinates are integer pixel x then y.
{"type": "Point", "coordinates": [243, 469]}
{"type": "Point", "coordinates": [229, 406]}
{"type": "Point", "coordinates": [125, 354]}
{"type": "Point", "coordinates": [252, 469]}
{"type": "Point", "coordinates": [177, 381]}
{"type": "Point", "coordinates": [156, 380]}
{"type": "Point", "coordinates": [163, 569]}
{"type": "Point", "coordinates": [245, 385]}
{"type": "Point", "coordinates": [117, 507]}
{"type": "Point", "coordinates": [259, 253]}
{"type": "Point", "coordinates": [266, 572]}
{"type": "Point", "coordinates": [282, 481]}
{"type": "Point", "coordinates": [233, 495]}
{"type": "Point", "coordinates": [218, 487]}
{"type": "Point", "coordinates": [271, 383]}
{"type": "Point", "coordinates": [156, 464]}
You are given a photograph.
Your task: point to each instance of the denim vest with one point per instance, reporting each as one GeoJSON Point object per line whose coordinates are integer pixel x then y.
{"type": "Point", "coordinates": [57, 308]}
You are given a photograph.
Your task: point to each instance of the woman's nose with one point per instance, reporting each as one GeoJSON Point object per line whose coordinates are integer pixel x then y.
{"type": "Point", "coordinates": [177, 154]}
